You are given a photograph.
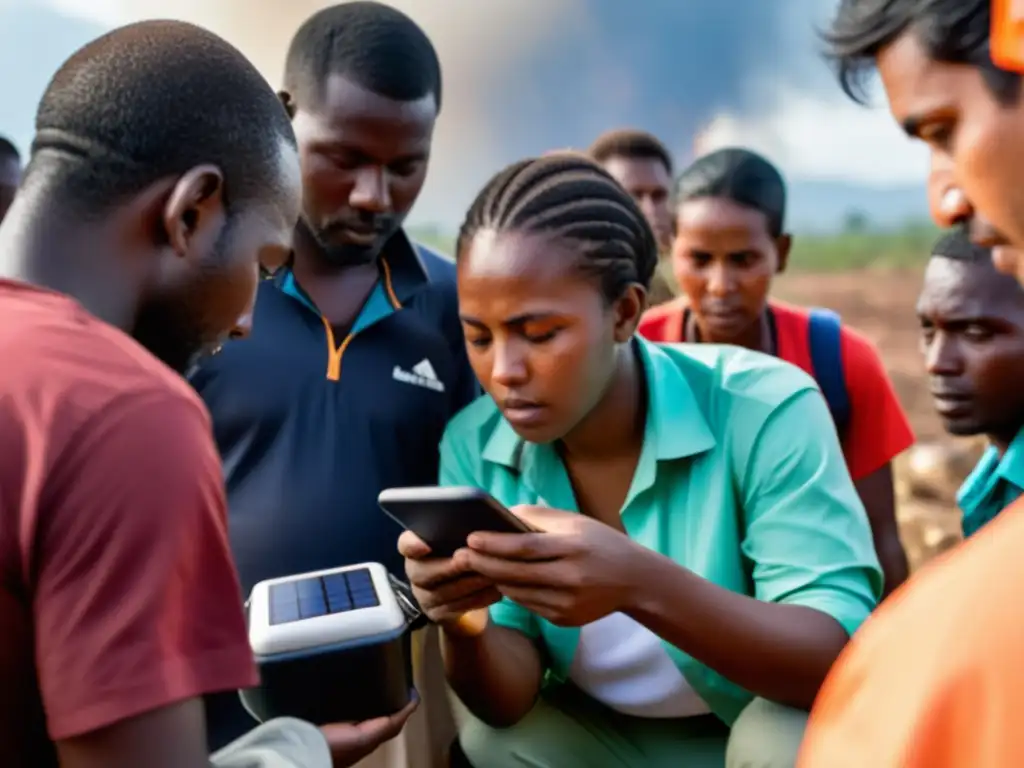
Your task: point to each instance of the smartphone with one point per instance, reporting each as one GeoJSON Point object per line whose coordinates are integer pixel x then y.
{"type": "Point", "coordinates": [444, 517]}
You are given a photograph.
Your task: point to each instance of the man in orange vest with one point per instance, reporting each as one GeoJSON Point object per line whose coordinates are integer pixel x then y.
{"type": "Point", "coordinates": [935, 679]}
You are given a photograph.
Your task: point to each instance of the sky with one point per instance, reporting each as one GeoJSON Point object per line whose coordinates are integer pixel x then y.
{"type": "Point", "coordinates": [523, 76]}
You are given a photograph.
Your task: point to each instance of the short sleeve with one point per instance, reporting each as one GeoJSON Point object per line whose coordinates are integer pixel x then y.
{"type": "Point", "coordinates": [807, 534]}
{"type": "Point", "coordinates": [457, 470]}
{"type": "Point", "coordinates": [878, 430]}
{"type": "Point", "coordinates": [135, 598]}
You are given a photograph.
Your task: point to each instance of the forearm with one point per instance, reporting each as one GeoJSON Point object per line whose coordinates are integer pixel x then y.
{"type": "Point", "coordinates": [893, 560]}
{"type": "Point", "coordinates": [879, 499]}
{"type": "Point", "coordinates": [496, 674]}
{"type": "Point", "coordinates": [778, 651]}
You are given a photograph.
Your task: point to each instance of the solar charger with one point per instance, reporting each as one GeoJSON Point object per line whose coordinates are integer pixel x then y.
{"type": "Point", "coordinates": [331, 646]}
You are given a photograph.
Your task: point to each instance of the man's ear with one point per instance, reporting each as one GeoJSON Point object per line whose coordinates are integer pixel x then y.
{"type": "Point", "coordinates": [783, 245]}
{"type": "Point", "coordinates": [194, 213]}
{"type": "Point", "coordinates": [288, 101]}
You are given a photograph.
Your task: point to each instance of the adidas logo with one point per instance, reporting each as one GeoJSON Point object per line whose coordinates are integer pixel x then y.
{"type": "Point", "coordinates": [421, 375]}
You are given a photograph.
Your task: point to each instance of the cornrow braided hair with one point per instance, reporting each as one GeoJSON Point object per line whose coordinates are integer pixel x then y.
{"type": "Point", "coordinates": [568, 196]}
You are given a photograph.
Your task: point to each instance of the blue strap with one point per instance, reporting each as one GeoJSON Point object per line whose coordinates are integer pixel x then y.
{"type": "Point", "coordinates": [824, 330]}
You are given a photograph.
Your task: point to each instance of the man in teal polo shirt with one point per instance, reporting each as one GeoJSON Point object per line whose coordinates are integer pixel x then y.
{"type": "Point", "coordinates": [704, 555]}
{"type": "Point", "coordinates": [972, 331]}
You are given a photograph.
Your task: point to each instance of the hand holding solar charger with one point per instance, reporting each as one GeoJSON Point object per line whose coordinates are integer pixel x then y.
{"type": "Point", "coordinates": [331, 646]}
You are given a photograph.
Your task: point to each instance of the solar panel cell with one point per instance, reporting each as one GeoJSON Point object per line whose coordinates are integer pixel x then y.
{"type": "Point", "coordinates": [322, 596]}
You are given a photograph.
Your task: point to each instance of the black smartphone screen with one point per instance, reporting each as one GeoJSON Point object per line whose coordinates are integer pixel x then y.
{"type": "Point", "coordinates": [444, 517]}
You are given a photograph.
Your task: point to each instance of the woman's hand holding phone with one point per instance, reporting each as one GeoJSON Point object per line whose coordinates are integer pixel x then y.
{"type": "Point", "coordinates": [573, 571]}
{"type": "Point", "coordinates": [449, 593]}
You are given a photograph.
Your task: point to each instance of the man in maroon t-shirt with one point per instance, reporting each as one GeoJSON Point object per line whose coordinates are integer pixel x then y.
{"type": "Point", "coordinates": [163, 168]}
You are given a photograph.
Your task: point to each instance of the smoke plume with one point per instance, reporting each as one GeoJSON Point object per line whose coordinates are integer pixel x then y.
{"type": "Point", "coordinates": [523, 76]}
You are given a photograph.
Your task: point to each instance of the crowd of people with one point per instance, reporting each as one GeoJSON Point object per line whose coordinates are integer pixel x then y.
{"type": "Point", "coordinates": [220, 345]}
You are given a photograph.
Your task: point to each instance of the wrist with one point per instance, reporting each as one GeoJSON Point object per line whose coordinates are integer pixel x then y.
{"type": "Point", "coordinates": [638, 574]}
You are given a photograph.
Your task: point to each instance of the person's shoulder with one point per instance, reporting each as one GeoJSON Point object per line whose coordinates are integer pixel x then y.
{"type": "Point", "coordinates": [469, 432]}
{"type": "Point", "coordinates": [440, 286]}
{"type": "Point", "coordinates": [440, 271]}
{"type": "Point", "coordinates": [976, 580]}
{"type": "Point", "coordinates": [54, 346]}
{"type": "Point", "coordinates": [737, 374]}
{"type": "Point", "coordinates": [473, 426]}
{"type": "Point", "coordinates": [739, 394]}
{"type": "Point", "coordinates": [439, 268]}
{"type": "Point", "coordinates": [857, 349]}
{"type": "Point", "coordinates": [944, 649]}
{"type": "Point", "coordinates": [787, 313]}
{"type": "Point", "coordinates": [438, 299]}
{"type": "Point", "coordinates": [861, 358]}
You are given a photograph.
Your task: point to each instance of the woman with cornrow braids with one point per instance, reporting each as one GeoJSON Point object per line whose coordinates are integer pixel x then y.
{"type": "Point", "coordinates": [701, 556]}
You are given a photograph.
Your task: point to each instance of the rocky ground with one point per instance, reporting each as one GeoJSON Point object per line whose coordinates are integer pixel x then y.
{"type": "Point", "coordinates": [881, 305]}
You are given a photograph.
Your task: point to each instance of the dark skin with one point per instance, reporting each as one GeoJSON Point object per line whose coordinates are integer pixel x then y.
{"type": "Point", "coordinates": [163, 255]}
{"type": "Point", "coordinates": [972, 337]}
{"type": "Point", "coordinates": [974, 141]}
{"type": "Point", "coordinates": [364, 161]}
{"type": "Point", "coordinates": [554, 355]}
{"type": "Point", "coordinates": [724, 258]}
{"type": "Point", "coordinates": [154, 249]}
{"type": "Point", "coordinates": [648, 182]}
{"type": "Point", "coordinates": [10, 177]}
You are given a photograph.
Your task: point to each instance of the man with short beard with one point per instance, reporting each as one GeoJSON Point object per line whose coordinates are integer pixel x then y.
{"type": "Point", "coordinates": [356, 361]}
{"type": "Point", "coordinates": [162, 167]}
{"type": "Point", "coordinates": [643, 166]}
{"type": "Point", "coordinates": [972, 337]}
{"type": "Point", "coordinates": [935, 679]}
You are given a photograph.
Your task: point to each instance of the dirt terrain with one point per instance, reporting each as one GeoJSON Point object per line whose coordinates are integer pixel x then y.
{"type": "Point", "coordinates": [881, 305]}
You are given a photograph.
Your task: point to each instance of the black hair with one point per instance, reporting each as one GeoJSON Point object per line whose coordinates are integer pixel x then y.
{"type": "Point", "coordinates": [377, 46]}
{"type": "Point", "coordinates": [738, 175]}
{"type": "Point", "coordinates": [568, 196]}
{"type": "Point", "coordinates": [953, 31]}
{"type": "Point", "coordinates": [631, 144]}
{"type": "Point", "coordinates": [956, 244]}
{"type": "Point", "coordinates": [153, 100]}
{"type": "Point", "coordinates": [8, 150]}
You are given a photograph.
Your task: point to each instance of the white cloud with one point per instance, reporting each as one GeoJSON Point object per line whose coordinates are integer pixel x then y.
{"type": "Point", "coordinates": [107, 12]}
{"type": "Point", "coordinates": [821, 138]}
{"type": "Point", "coordinates": [814, 135]}
{"type": "Point", "coordinates": [472, 38]}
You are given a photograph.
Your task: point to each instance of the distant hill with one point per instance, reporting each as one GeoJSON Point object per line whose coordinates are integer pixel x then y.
{"type": "Point", "coordinates": [823, 206]}
{"type": "Point", "coordinates": [815, 207]}
{"type": "Point", "coordinates": [857, 248]}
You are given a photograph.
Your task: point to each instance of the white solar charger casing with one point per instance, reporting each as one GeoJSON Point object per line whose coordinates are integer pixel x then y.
{"type": "Point", "coordinates": [268, 639]}
{"type": "Point", "coordinates": [342, 667]}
